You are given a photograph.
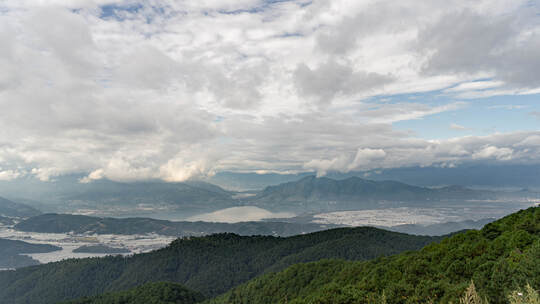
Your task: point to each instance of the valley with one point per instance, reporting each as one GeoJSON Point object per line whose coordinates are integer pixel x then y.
{"type": "Point", "coordinates": [269, 152]}
{"type": "Point", "coordinates": [304, 199]}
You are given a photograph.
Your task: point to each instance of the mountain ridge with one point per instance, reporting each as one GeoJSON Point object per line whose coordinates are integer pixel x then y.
{"type": "Point", "coordinates": [211, 264]}
{"type": "Point", "coordinates": [501, 257]}
{"type": "Point", "coordinates": [64, 223]}
{"type": "Point", "coordinates": [323, 193]}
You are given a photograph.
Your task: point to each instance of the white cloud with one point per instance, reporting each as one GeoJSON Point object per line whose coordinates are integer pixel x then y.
{"type": "Point", "coordinates": [457, 127]}
{"type": "Point", "coordinates": [94, 175]}
{"type": "Point", "coordinates": [322, 166]}
{"type": "Point", "coordinates": [332, 78]}
{"type": "Point", "coordinates": [531, 141]}
{"type": "Point", "coordinates": [468, 42]}
{"type": "Point", "coordinates": [515, 147]}
{"type": "Point", "coordinates": [182, 89]}
{"type": "Point", "coordinates": [493, 152]}
{"type": "Point", "coordinates": [476, 85]}
{"type": "Point", "coordinates": [366, 159]}
{"type": "Point", "coordinates": [45, 174]}
{"type": "Point", "coordinates": [7, 175]}
{"type": "Point", "coordinates": [390, 113]}
{"type": "Point", "coordinates": [179, 169]}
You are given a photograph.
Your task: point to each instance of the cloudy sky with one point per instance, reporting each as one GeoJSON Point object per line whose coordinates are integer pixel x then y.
{"type": "Point", "coordinates": [172, 89]}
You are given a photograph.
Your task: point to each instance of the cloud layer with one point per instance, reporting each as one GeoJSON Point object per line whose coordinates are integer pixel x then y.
{"type": "Point", "coordinates": [172, 90]}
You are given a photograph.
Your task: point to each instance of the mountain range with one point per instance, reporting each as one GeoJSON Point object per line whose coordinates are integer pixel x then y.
{"type": "Point", "coordinates": [326, 194]}
{"type": "Point", "coordinates": [309, 194]}
{"type": "Point", "coordinates": [491, 176]}
{"type": "Point", "coordinates": [63, 223]}
{"type": "Point", "coordinates": [498, 260]}
{"type": "Point", "coordinates": [69, 194]}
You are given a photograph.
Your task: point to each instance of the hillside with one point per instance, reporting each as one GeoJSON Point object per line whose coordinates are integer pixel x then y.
{"type": "Point", "coordinates": [318, 194]}
{"type": "Point", "coordinates": [68, 194]}
{"type": "Point", "coordinates": [62, 223]}
{"type": "Point", "coordinates": [211, 265]}
{"type": "Point", "coordinates": [147, 192]}
{"type": "Point", "coordinates": [10, 253]}
{"type": "Point", "coordinates": [501, 257]}
{"type": "Point", "coordinates": [440, 228]}
{"type": "Point", "coordinates": [12, 209]}
{"type": "Point", "coordinates": [100, 249]}
{"type": "Point", "coordinates": [154, 293]}
{"type": "Point", "coordinates": [192, 197]}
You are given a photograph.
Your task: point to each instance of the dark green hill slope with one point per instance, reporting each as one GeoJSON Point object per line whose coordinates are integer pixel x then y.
{"type": "Point", "coordinates": [211, 265]}
{"type": "Point", "coordinates": [151, 293]}
{"type": "Point", "coordinates": [10, 253]}
{"type": "Point", "coordinates": [502, 257]}
{"type": "Point", "coordinates": [100, 249]}
{"type": "Point", "coordinates": [62, 223]}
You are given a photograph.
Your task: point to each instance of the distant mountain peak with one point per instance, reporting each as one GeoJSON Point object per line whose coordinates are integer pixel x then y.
{"type": "Point", "coordinates": [313, 193]}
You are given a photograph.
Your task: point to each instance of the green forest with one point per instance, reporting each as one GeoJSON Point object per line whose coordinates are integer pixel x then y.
{"type": "Point", "coordinates": [211, 265]}
{"type": "Point", "coordinates": [150, 293]}
{"type": "Point", "coordinates": [501, 258]}
{"type": "Point", "coordinates": [497, 264]}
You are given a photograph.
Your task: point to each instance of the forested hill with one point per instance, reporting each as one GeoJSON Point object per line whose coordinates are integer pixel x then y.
{"type": "Point", "coordinates": [211, 265]}
{"type": "Point", "coordinates": [501, 257]}
{"type": "Point", "coordinates": [150, 293]}
{"type": "Point", "coordinates": [314, 192]}
{"type": "Point", "coordinates": [62, 223]}
{"type": "Point", "coordinates": [11, 253]}
{"type": "Point", "coordinates": [12, 209]}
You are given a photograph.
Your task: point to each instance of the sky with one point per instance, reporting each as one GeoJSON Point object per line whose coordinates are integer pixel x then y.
{"type": "Point", "coordinates": [177, 90]}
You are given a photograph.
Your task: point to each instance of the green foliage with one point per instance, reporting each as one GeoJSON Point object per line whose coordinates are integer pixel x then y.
{"type": "Point", "coordinates": [499, 258]}
{"type": "Point", "coordinates": [100, 249]}
{"type": "Point", "coordinates": [151, 293]}
{"type": "Point", "coordinates": [211, 265]}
